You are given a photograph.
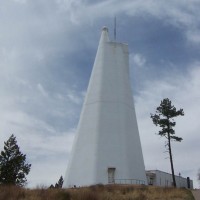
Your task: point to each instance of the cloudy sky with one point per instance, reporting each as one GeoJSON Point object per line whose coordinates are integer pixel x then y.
{"type": "Point", "coordinates": [47, 50]}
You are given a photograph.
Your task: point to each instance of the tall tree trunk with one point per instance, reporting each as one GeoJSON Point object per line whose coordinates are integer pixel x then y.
{"type": "Point", "coordinates": [171, 160]}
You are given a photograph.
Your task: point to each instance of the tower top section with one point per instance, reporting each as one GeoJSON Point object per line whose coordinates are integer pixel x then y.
{"type": "Point", "coordinates": [104, 35]}
{"type": "Point", "coordinates": [105, 28]}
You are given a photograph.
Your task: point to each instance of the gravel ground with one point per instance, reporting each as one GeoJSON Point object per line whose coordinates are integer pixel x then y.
{"type": "Point", "coordinates": [196, 194]}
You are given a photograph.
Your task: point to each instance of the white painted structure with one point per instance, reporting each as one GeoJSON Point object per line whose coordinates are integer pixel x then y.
{"type": "Point", "coordinates": [163, 179]}
{"type": "Point", "coordinates": [107, 146]}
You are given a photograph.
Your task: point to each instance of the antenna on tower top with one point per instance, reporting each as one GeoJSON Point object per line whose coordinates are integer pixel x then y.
{"type": "Point", "coordinates": [115, 28]}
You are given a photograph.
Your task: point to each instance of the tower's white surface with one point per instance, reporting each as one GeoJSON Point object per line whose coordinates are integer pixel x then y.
{"type": "Point", "coordinates": [107, 138]}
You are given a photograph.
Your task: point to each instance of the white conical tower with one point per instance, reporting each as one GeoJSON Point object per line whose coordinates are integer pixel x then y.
{"type": "Point", "coordinates": [107, 146]}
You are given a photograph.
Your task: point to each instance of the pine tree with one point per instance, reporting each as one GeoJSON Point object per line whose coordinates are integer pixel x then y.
{"type": "Point", "coordinates": [60, 183]}
{"type": "Point", "coordinates": [164, 118]}
{"type": "Point", "coordinates": [13, 166]}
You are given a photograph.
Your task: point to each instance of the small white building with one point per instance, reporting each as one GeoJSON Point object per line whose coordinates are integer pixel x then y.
{"type": "Point", "coordinates": [164, 179]}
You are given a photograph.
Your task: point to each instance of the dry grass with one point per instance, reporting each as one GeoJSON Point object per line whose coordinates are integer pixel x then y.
{"type": "Point", "coordinates": [97, 192]}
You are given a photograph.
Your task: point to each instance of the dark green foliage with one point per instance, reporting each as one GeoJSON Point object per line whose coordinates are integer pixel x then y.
{"type": "Point", "coordinates": [164, 118]}
{"type": "Point", "coordinates": [60, 183]}
{"type": "Point", "coordinates": [13, 166]}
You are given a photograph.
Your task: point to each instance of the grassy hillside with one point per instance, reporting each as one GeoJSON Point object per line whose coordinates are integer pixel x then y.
{"type": "Point", "coordinates": [97, 192]}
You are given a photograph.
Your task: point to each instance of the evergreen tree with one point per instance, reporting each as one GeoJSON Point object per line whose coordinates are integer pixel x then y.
{"type": "Point", "coordinates": [60, 183]}
{"type": "Point", "coordinates": [13, 166]}
{"type": "Point", "coordinates": [164, 118]}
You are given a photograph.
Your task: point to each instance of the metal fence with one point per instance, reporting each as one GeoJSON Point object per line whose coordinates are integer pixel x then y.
{"type": "Point", "coordinates": [129, 181]}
